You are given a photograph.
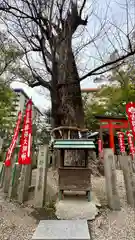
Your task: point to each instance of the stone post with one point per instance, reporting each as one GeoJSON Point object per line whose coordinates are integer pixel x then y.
{"type": "Point", "coordinates": [1, 143]}
{"type": "Point", "coordinates": [14, 180]}
{"type": "Point", "coordinates": [110, 177]}
{"type": "Point", "coordinates": [23, 187]}
{"type": "Point", "coordinates": [2, 175]}
{"type": "Point", "coordinates": [127, 168]}
{"type": "Point", "coordinates": [41, 178]}
{"type": "Point", "coordinates": [7, 176]}
{"type": "Point", "coordinates": [133, 163]}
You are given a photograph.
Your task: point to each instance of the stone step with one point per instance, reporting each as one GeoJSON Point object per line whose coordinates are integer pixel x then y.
{"type": "Point", "coordinates": [62, 229]}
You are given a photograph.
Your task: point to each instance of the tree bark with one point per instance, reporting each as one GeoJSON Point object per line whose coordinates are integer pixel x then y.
{"type": "Point", "coordinates": [68, 87]}
{"type": "Point", "coordinates": [67, 107]}
{"type": "Point", "coordinates": [56, 120]}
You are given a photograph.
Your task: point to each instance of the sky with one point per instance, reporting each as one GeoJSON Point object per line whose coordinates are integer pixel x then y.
{"type": "Point", "coordinates": [116, 14]}
{"type": "Point", "coordinates": [41, 101]}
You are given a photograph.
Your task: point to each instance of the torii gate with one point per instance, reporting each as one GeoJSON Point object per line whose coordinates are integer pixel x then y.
{"type": "Point", "coordinates": [111, 123]}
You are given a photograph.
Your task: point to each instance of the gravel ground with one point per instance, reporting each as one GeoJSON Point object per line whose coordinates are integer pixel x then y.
{"type": "Point", "coordinates": [112, 225]}
{"type": "Point", "coordinates": [17, 223]}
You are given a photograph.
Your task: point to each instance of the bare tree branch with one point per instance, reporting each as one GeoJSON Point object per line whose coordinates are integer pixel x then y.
{"type": "Point", "coordinates": [82, 7]}
{"type": "Point", "coordinates": [95, 71]}
{"type": "Point", "coordinates": [40, 82]}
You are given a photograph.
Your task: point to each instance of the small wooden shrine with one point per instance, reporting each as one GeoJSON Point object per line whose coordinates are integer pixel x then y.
{"type": "Point", "coordinates": [73, 178]}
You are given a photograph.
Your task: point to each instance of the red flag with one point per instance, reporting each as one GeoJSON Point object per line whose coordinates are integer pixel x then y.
{"type": "Point", "coordinates": [100, 148]}
{"type": "Point", "coordinates": [13, 142]}
{"type": "Point", "coordinates": [25, 149]}
{"type": "Point", "coordinates": [130, 110]}
{"type": "Point", "coordinates": [121, 142]}
{"type": "Point", "coordinates": [130, 143]}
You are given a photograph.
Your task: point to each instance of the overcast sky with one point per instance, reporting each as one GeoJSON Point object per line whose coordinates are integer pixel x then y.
{"type": "Point", "coordinates": [116, 14]}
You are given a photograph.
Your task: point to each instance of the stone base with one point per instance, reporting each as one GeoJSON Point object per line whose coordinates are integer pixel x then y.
{"type": "Point", "coordinates": [62, 229]}
{"type": "Point", "coordinates": [77, 207]}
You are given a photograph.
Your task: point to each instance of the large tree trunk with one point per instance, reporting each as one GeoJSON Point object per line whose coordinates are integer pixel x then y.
{"type": "Point", "coordinates": [68, 108]}
{"type": "Point", "coordinates": [65, 78]}
{"type": "Point", "coordinates": [56, 118]}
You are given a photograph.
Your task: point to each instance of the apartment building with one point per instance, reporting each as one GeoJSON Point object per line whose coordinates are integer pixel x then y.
{"type": "Point", "coordinates": [20, 100]}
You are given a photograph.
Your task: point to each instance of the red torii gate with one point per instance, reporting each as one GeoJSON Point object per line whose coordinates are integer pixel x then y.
{"type": "Point", "coordinates": [111, 123]}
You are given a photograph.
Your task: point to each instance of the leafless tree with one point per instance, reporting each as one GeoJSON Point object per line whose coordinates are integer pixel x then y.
{"type": "Point", "coordinates": [47, 28]}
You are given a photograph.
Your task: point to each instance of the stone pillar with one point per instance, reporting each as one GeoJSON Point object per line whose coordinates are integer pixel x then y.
{"type": "Point", "coordinates": [1, 143]}
{"type": "Point", "coordinates": [110, 177]}
{"type": "Point", "coordinates": [126, 166]}
{"type": "Point", "coordinates": [23, 187]}
{"type": "Point", "coordinates": [2, 176]}
{"type": "Point", "coordinates": [117, 161]}
{"type": "Point", "coordinates": [14, 181]}
{"type": "Point", "coordinates": [7, 176]}
{"type": "Point", "coordinates": [133, 163]}
{"type": "Point", "coordinates": [15, 174]}
{"type": "Point", "coordinates": [41, 178]}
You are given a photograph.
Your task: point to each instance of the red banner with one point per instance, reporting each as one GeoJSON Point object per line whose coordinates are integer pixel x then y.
{"type": "Point", "coordinates": [121, 142]}
{"type": "Point", "coordinates": [131, 143]}
{"type": "Point", "coordinates": [100, 148]}
{"type": "Point", "coordinates": [130, 110]}
{"type": "Point", "coordinates": [25, 149]}
{"type": "Point", "coordinates": [14, 140]}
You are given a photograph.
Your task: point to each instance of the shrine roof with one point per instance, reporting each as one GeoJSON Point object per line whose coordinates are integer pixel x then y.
{"type": "Point", "coordinates": [110, 117]}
